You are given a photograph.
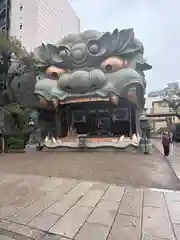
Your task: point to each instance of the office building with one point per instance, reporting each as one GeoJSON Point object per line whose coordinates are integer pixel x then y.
{"type": "Point", "coordinates": [37, 21]}
{"type": "Point", "coordinates": [172, 87]}
{"type": "Point", "coordinates": [4, 15]}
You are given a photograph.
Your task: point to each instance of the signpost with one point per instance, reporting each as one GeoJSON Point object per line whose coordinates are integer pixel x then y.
{"type": "Point", "coordinates": [82, 141]}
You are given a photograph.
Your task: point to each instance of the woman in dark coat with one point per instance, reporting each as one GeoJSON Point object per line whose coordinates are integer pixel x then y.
{"type": "Point", "coordinates": [166, 144]}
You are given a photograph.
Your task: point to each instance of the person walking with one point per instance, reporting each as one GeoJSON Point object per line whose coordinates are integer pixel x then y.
{"type": "Point", "coordinates": [166, 144]}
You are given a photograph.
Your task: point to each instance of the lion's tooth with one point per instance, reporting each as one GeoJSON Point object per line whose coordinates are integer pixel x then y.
{"type": "Point", "coordinates": [53, 140]}
{"type": "Point", "coordinates": [55, 103]}
{"type": "Point", "coordinates": [46, 139]}
{"type": "Point", "coordinates": [134, 138]}
{"type": "Point", "coordinates": [121, 139]}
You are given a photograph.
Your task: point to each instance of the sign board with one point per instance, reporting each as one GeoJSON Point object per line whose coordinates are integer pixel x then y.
{"type": "Point", "coordinates": [82, 142]}
{"type": "Point", "coordinates": [144, 124]}
{"type": "Point", "coordinates": [80, 100]}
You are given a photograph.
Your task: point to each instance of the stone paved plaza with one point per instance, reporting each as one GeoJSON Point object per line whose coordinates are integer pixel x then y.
{"type": "Point", "coordinates": [89, 196]}
{"type": "Point", "coordinates": [49, 208]}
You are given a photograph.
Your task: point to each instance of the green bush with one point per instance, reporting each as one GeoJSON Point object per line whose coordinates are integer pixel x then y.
{"type": "Point", "coordinates": [17, 141]}
{"type": "Point", "coordinates": [14, 142]}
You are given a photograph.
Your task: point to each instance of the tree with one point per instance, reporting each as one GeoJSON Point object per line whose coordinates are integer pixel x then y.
{"type": "Point", "coordinates": [173, 101]}
{"type": "Point", "coordinates": [14, 62]}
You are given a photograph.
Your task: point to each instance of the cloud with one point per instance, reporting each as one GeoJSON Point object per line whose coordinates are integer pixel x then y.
{"type": "Point", "coordinates": [156, 24]}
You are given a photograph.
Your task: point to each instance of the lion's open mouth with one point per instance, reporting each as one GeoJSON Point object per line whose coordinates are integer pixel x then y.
{"type": "Point", "coordinates": [85, 99]}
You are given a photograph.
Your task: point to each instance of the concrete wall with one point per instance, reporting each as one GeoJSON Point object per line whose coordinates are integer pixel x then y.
{"type": "Point", "coordinates": [56, 18]}
{"type": "Point", "coordinates": [27, 16]}
{"type": "Point", "coordinates": [160, 107]}
{"type": "Point", "coordinates": [42, 21]}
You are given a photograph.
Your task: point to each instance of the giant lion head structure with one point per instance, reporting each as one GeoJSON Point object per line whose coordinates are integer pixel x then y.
{"type": "Point", "coordinates": [106, 66]}
{"type": "Point", "coordinates": [85, 68]}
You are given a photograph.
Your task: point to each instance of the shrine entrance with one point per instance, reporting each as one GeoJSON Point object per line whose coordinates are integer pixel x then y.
{"type": "Point", "coordinates": [124, 118]}
{"type": "Point", "coordinates": [98, 118]}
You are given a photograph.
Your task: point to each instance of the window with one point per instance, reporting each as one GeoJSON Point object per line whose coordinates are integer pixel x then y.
{"type": "Point", "coordinates": [121, 114]}
{"type": "Point", "coordinates": [20, 26]}
{"type": "Point", "coordinates": [78, 116]}
{"type": "Point", "coordinates": [21, 7]}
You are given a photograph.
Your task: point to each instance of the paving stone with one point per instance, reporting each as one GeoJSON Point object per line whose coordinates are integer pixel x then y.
{"type": "Point", "coordinates": [132, 190]}
{"type": "Point", "coordinates": [177, 231]}
{"type": "Point", "coordinates": [67, 201]}
{"type": "Point", "coordinates": [7, 211]}
{"type": "Point", "coordinates": [23, 201]}
{"type": "Point", "coordinates": [172, 196]}
{"type": "Point", "coordinates": [104, 213]}
{"type": "Point", "coordinates": [92, 232]}
{"type": "Point", "coordinates": [148, 237]}
{"type": "Point", "coordinates": [30, 212]}
{"type": "Point", "coordinates": [91, 198]}
{"type": "Point", "coordinates": [10, 192]}
{"type": "Point", "coordinates": [70, 223]}
{"type": "Point", "coordinates": [125, 228]}
{"type": "Point", "coordinates": [154, 199]}
{"type": "Point", "coordinates": [83, 187]}
{"type": "Point", "coordinates": [2, 237]}
{"type": "Point", "coordinates": [100, 186]}
{"type": "Point", "coordinates": [22, 230]}
{"type": "Point", "coordinates": [51, 184]}
{"type": "Point", "coordinates": [44, 221]}
{"type": "Point", "coordinates": [114, 193]}
{"type": "Point", "coordinates": [54, 237]}
{"type": "Point", "coordinates": [131, 203]}
{"type": "Point", "coordinates": [32, 181]}
{"type": "Point", "coordinates": [174, 210]}
{"type": "Point", "coordinates": [156, 222]}
{"type": "Point", "coordinates": [5, 234]}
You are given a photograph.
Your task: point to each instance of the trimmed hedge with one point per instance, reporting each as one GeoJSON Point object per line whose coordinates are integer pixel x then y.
{"type": "Point", "coordinates": [15, 141]}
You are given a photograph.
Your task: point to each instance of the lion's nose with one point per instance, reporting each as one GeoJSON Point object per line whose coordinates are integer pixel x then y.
{"type": "Point", "coordinates": [82, 81]}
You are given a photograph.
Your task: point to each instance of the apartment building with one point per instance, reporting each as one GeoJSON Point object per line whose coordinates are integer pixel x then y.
{"type": "Point", "coordinates": [161, 108]}
{"type": "Point", "coordinates": [37, 21]}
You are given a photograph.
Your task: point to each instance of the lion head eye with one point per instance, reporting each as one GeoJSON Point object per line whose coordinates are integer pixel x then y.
{"type": "Point", "coordinates": [54, 72]}
{"type": "Point", "coordinates": [113, 64]}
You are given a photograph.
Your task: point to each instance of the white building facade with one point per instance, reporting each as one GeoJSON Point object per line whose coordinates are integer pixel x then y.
{"type": "Point", "coordinates": [37, 21]}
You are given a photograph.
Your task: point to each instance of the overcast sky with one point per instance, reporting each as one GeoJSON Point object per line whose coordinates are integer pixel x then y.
{"type": "Point", "coordinates": [156, 24]}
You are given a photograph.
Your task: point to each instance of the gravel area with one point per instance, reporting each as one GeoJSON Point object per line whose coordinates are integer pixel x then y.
{"type": "Point", "coordinates": [112, 167]}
